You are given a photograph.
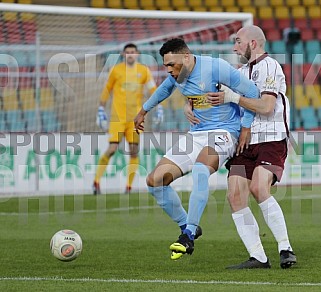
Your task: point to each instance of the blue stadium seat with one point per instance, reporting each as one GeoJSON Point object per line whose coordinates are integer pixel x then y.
{"type": "Point", "coordinates": [309, 118]}
{"type": "Point", "coordinates": [312, 49]}
{"type": "Point", "coordinates": [31, 121]}
{"type": "Point", "coordinates": [50, 122]}
{"type": "Point", "coordinates": [3, 126]}
{"type": "Point", "coordinates": [278, 47]}
{"type": "Point", "coordinates": [319, 113]}
{"type": "Point", "coordinates": [15, 121]}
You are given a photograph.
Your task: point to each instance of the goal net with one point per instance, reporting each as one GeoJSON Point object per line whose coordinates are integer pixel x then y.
{"type": "Point", "coordinates": [54, 61]}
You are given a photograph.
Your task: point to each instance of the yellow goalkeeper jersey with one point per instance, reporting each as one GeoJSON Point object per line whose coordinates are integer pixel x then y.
{"type": "Point", "coordinates": [126, 85]}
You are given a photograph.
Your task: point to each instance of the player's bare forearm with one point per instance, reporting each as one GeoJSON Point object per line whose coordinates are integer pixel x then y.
{"type": "Point", "coordinates": [264, 105]}
{"type": "Point", "coordinates": [139, 120]}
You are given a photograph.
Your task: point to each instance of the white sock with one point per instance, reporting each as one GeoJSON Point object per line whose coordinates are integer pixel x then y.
{"type": "Point", "coordinates": [274, 218]}
{"type": "Point", "coordinates": [248, 230]}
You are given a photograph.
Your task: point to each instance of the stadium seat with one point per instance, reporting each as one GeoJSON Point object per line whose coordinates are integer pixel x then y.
{"type": "Point", "coordinates": [250, 9]}
{"type": "Point", "coordinates": [147, 4]}
{"type": "Point", "coordinates": [29, 28]}
{"type": "Point", "coordinates": [31, 121]}
{"type": "Point", "coordinates": [3, 76]}
{"type": "Point", "coordinates": [299, 58]}
{"type": "Point", "coordinates": [309, 118]}
{"type": "Point", "coordinates": [10, 99]}
{"type": "Point", "coordinates": [278, 47]}
{"type": "Point", "coordinates": [308, 3]}
{"type": "Point", "coordinates": [276, 3]}
{"type": "Point", "coordinates": [15, 121]}
{"type": "Point", "coordinates": [21, 57]}
{"type": "Point", "coordinates": [268, 23]}
{"type": "Point", "coordinates": [265, 12]}
{"type": "Point", "coordinates": [262, 3]}
{"type": "Point", "coordinates": [284, 23]}
{"type": "Point", "coordinates": [97, 3]}
{"type": "Point", "coordinates": [162, 4]}
{"type": "Point", "coordinates": [315, 23]}
{"type": "Point", "coordinates": [114, 4]}
{"type": "Point", "coordinates": [212, 4]}
{"type": "Point", "coordinates": [273, 34]}
{"type": "Point", "coordinates": [131, 4]}
{"type": "Point", "coordinates": [287, 72]}
{"type": "Point", "coordinates": [307, 34]}
{"type": "Point", "coordinates": [216, 9]}
{"type": "Point", "coordinates": [312, 49]}
{"type": "Point", "coordinates": [314, 12]}
{"type": "Point", "coordinates": [281, 12]}
{"type": "Point", "coordinates": [318, 112]}
{"type": "Point", "coordinates": [179, 3]}
{"type": "Point", "coordinates": [318, 34]}
{"type": "Point", "coordinates": [297, 122]}
{"type": "Point", "coordinates": [313, 95]}
{"type": "Point", "coordinates": [301, 23]}
{"type": "Point", "coordinates": [228, 3]}
{"type": "Point", "coordinates": [199, 8]}
{"type": "Point", "coordinates": [292, 2]}
{"type": "Point", "coordinates": [310, 75]}
{"type": "Point", "coordinates": [3, 122]}
{"type": "Point", "coordinates": [233, 9]}
{"type": "Point", "coordinates": [244, 3]}
{"type": "Point", "coordinates": [298, 48]}
{"type": "Point", "coordinates": [50, 122]}
{"type": "Point", "coordinates": [25, 1]}
{"type": "Point", "coordinates": [46, 99]}
{"type": "Point", "coordinates": [298, 12]}
{"type": "Point", "coordinates": [27, 98]}
{"type": "Point", "coordinates": [11, 27]}
{"type": "Point", "coordinates": [10, 16]}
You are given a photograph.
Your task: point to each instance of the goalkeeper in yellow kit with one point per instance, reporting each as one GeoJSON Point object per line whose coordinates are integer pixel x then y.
{"type": "Point", "coordinates": [126, 83]}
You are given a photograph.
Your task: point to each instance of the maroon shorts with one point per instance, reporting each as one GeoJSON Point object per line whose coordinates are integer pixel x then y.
{"type": "Point", "coordinates": [270, 155]}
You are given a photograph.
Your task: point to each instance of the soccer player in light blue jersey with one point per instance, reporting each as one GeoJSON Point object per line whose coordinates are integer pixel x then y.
{"type": "Point", "coordinates": [207, 145]}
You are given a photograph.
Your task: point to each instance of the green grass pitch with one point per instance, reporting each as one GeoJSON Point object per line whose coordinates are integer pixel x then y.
{"type": "Point", "coordinates": [126, 245]}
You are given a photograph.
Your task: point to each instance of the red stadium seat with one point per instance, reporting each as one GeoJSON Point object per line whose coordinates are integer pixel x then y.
{"type": "Point", "coordinates": [301, 23]}
{"type": "Point", "coordinates": [268, 23]}
{"type": "Point", "coordinates": [29, 31]}
{"type": "Point", "coordinates": [307, 34]}
{"type": "Point", "coordinates": [310, 75]}
{"type": "Point", "coordinates": [284, 23]}
{"type": "Point", "coordinates": [287, 73]}
{"type": "Point", "coordinates": [315, 23]}
{"type": "Point", "coordinates": [273, 34]}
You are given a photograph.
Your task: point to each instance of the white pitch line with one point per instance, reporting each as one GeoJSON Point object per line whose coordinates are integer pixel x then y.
{"type": "Point", "coordinates": [55, 279]}
{"type": "Point", "coordinates": [129, 208]}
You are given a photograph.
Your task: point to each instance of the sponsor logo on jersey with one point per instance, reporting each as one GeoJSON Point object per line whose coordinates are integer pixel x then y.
{"type": "Point", "coordinates": [201, 85]}
{"type": "Point", "coordinates": [255, 75]}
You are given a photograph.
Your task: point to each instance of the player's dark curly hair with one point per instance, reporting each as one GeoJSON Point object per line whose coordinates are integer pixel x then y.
{"type": "Point", "coordinates": [130, 45]}
{"type": "Point", "coordinates": [175, 46]}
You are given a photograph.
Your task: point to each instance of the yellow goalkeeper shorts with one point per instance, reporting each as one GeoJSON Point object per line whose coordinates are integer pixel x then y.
{"type": "Point", "coordinates": [117, 130]}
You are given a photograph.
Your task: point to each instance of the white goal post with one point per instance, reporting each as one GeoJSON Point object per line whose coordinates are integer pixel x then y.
{"type": "Point", "coordinates": [54, 60]}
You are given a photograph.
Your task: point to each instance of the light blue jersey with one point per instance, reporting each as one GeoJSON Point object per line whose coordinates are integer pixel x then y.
{"type": "Point", "coordinates": [206, 74]}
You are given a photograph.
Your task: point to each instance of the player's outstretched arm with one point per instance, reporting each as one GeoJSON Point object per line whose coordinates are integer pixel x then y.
{"type": "Point", "coordinates": [139, 120]}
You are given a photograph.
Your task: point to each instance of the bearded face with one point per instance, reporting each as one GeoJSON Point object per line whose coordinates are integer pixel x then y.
{"type": "Point", "coordinates": [246, 56]}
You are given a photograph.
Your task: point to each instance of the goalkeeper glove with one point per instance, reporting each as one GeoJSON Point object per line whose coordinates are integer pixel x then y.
{"type": "Point", "coordinates": [230, 95]}
{"type": "Point", "coordinates": [101, 119]}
